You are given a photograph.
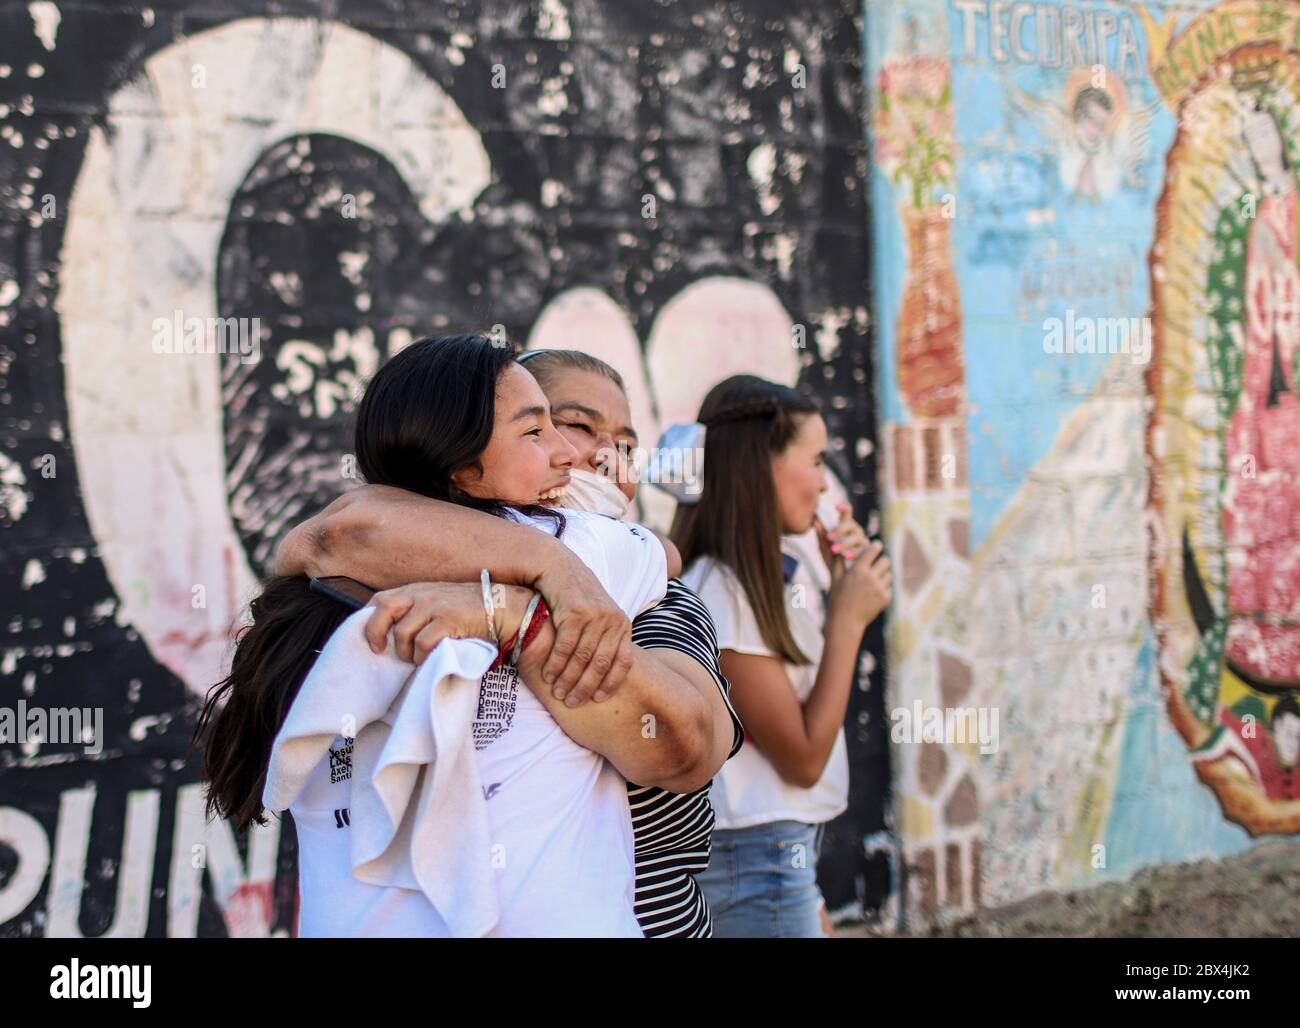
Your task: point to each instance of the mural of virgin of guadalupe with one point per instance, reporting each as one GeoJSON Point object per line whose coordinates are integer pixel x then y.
{"type": "Point", "coordinates": [1246, 672]}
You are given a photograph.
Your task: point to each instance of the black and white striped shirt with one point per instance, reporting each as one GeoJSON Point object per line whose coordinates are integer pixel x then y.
{"type": "Point", "coordinates": [673, 831]}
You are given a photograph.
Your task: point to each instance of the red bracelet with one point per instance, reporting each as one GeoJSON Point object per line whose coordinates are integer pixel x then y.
{"type": "Point", "coordinates": [539, 618]}
{"type": "Point", "coordinates": [504, 651]}
{"type": "Point", "coordinates": [540, 614]}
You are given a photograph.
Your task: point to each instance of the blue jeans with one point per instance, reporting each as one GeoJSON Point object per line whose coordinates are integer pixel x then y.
{"type": "Point", "coordinates": [761, 882]}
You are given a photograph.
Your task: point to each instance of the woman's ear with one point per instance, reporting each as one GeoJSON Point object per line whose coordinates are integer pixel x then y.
{"type": "Point", "coordinates": [463, 479]}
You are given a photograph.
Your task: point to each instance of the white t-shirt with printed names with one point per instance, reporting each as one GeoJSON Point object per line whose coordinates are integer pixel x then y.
{"type": "Point", "coordinates": [748, 790]}
{"type": "Point", "coordinates": [564, 855]}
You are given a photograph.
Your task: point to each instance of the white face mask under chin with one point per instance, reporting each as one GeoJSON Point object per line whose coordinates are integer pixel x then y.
{"type": "Point", "coordinates": [595, 494]}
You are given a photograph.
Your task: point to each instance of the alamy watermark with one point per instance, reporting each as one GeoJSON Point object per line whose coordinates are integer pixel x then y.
{"type": "Point", "coordinates": [681, 466]}
{"type": "Point", "coordinates": [57, 726]}
{"type": "Point", "coordinates": [1088, 335]}
{"type": "Point", "coordinates": [102, 981]}
{"type": "Point", "coordinates": [947, 725]}
{"type": "Point", "coordinates": [181, 335]}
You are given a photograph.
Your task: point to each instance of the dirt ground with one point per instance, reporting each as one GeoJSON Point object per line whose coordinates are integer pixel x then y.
{"type": "Point", "coordinates": [1256, 893]}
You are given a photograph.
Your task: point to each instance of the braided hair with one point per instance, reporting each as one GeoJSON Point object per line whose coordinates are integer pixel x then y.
{"type": "Point", "coordinates": [737, 520]}
{"type": "Point", "coordinates": [742, 410]}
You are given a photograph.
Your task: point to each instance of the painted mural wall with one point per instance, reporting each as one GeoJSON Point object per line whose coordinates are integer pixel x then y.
{"type": "Point", "coordinates": [1085, 264]}
{"type": "Point", "coordinates": [676, 187]}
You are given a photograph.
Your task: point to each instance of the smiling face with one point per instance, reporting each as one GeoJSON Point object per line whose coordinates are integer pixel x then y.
{"type": "Point", "coordinates": [527, 459]}
{"type": "Point", "coordinates": [799, 474]}
{"type": "Point", "coordinates": [592, 413]}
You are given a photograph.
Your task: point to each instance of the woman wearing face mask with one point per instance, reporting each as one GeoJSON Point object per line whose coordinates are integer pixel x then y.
{"type": "Point", "coordinates": [389, 537]}
{"type": "Point", "coordinates": [561, 813]}
{"type": "Point", "coordinates": [764, 470]}
{"type": "Point", "coordinates": [590, 408]}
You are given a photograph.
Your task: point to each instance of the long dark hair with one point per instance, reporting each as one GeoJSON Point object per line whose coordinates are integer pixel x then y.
{"type": "Point", "coordinates": [737, 520]}
{"type": "Point", "coordinates": [242, 714]}
{"type": "Point", "coordinates": [426, 414]}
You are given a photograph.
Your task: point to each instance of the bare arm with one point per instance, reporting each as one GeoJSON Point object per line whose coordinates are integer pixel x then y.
{"type": "Point", "coordinates": [387, 537]}
{"type": "Point", "coordinates": [673, 553]}
{"type": "Point", "coordinates": [798, 737]}
{"type": "Point", "coordinates": [667, 726]}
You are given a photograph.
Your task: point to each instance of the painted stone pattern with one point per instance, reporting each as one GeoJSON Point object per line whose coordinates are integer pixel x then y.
{"type": "Point", "coordinates": [1081, 296]}
{"type": "Point", "coordinates": [678, 190]}
{"type": "Point", "coordinates": [1123, 228]}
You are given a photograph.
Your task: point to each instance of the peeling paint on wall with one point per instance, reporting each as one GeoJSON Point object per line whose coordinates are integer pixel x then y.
{"type": "Point", "coordinates": [1122, 235]}
{"type": "Point", "coordinates": [338, 189]}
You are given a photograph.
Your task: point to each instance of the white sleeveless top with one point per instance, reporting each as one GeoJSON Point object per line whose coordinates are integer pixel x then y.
{"type": "Point", "coordinates": [748, 790]}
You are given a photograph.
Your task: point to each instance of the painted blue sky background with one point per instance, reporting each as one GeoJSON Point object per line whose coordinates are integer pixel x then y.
{"type": "Point", "coordinates": [1023, 251]}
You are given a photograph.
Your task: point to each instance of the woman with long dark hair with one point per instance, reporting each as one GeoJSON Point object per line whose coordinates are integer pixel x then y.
{"type": "Point", "coordinates": [399, 441]}
{"type": "Point", "coordinates": [392, 536]}
{"type": "Point", "coordinates": [764, 471]}
{"type": "Point", "coordinates": [456, 420]}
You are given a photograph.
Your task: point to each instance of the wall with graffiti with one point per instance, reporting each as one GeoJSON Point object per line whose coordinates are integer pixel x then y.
{"type": "Point", "coordinates": [1085, 243]}
{"type": "Point", "coordinates": [678, 188]}
{"type": "Point", "coordinates": [1075, 260]}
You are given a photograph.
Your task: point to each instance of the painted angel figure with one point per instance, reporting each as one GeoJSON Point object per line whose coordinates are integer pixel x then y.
{"type": "Point", "coordinates": [1099, 143]}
